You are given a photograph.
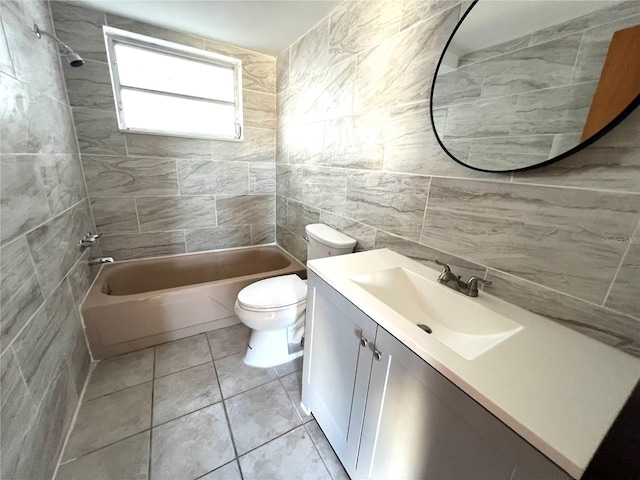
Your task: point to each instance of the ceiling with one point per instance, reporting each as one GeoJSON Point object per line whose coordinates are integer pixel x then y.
{"type": "Point", "coordinates": [266, 26]}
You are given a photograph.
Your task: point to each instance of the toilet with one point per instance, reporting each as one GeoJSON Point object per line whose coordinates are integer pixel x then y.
{"type": "Point", "coordinates": [274, 309]}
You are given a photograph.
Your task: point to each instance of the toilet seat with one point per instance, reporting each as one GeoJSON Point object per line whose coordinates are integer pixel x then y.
{"type": "Point", "coordinates": [273, 294]}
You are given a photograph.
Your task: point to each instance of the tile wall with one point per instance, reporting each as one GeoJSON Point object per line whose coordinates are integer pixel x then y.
{"type": "Point", "coordinates": [161, 195]}
{"type": "Point", "coordinates": [356, 151]}
{"type": "Point", "coordinates": [44, 209]}
{"type": "Point", "coordinates": [527, 99]}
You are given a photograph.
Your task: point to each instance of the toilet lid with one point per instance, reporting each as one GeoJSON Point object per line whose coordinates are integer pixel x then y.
{"type": "Point", "coordinates": [273, 293]}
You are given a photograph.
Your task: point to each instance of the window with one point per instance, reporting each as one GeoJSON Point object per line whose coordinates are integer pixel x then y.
{"type": "Point", "coordinates": [164, 88]}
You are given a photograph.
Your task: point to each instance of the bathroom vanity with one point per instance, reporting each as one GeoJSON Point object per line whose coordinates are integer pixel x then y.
{"type": "Point", "coordinates": [493, 391]}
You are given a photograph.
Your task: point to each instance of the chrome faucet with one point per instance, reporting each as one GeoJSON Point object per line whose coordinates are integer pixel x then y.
{"type": "Point", "coordinates": [100, 260]}
{"type": "Point", "coordinates": [449, 279]}
{"type": "Point", "coordinates": [89, 240]}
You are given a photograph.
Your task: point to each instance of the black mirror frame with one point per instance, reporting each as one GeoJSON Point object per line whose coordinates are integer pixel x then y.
{"type": "Point", "coordinates": [610, 126]}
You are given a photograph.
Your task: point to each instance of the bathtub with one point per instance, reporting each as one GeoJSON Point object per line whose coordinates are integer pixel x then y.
{"type": "Point", "coordinates": [140, 303]}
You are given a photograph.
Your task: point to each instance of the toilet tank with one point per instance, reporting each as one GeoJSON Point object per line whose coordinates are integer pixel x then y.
{"type": "Point", "coordinates": [324, 241]}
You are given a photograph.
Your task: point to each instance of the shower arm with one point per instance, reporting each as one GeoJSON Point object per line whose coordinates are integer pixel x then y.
{"type": "Point", "coordinates": [39, 34]}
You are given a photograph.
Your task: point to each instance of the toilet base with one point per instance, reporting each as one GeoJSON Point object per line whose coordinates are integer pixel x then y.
{"type": "Point", "coordinates": [269, 348]}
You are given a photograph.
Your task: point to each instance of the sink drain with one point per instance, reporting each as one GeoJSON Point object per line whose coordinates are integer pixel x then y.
{"type": "Point", "coordinates": [425, 327]}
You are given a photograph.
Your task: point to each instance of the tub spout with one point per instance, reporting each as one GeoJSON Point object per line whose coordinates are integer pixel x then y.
{"type": "Point", "coordinates": [100, 260]}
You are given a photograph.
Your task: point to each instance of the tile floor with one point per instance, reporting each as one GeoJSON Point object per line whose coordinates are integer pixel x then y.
{"type": "Point", "coordinates": [191, 409]}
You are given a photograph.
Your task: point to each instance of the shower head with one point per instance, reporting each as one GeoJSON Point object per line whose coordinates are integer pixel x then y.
{"type": "Point", "coordinates": [72, 57]}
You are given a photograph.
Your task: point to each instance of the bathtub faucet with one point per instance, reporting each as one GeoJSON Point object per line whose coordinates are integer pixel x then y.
{"type": "Point", "coordinates": [100, 260]}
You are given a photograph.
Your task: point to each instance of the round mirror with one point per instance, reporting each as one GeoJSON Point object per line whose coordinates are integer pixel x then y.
{"type": "Point", "coordinates": [521, 84]}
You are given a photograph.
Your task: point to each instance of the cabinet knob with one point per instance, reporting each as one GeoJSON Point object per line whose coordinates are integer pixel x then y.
{"type": "Point", "coordinates": [377, 355]}
{"type": "Point", "coordinates": [364, 342]}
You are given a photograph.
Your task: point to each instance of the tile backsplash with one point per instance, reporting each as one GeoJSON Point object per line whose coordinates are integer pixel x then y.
{"type": "Point", "coordinates": [356, 150]}
{"type": "Point", "coordinates": [157, 195]}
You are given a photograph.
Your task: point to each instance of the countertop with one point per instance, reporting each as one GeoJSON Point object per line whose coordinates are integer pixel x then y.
{"type": "Point", "coordinates": [555, 387]}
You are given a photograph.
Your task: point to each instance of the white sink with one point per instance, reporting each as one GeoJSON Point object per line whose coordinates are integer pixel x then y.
{"type": "Point", "coordinates": [461, 323]}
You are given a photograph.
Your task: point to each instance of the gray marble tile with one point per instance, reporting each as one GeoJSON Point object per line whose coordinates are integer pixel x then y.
{"type": "Point", "coordinates": [299, 216]}
{"type": "Point", "coordinates": [259, 145]}
{"type": "Point", "coordinates": [109, 176]}
{"type": "Point", "coordinates": [115, 214]}
{"type": "Point", "coordinates": [608, 168]}
{"type": "Point", "coordinates": [309, 55]}
{"type": "Point", "coordinates": [228, 341]}
{"type": "Point", "coordinates": [289, 181]}
{"type": "Point", "coordinates": [305, 142]}
{"type": "Point", "coordinates": [230, 471]}
{"type": "Point", "coordinates": [483, 118]}
{"type": "Point", "coordinates": [461, 85]}
{"type": "Point", "coordinates": [154, 31]}
{"type": "Point", "coordinates": [258, 70]}
{"type": "Point", "coordinates": [98, 133]}
{"type": "Point", "coordinates": [282, 148]}
{"type": "Point", "coordinates": [280, 459]}
{"type": "Point", "coordinates": [500, 161]}
{"type": "Point", "coordinates": [109, 419]}
{"type": "Point", "coordinates": [539, 234]}
{"type": "Point", "coordinates": [626, 134]}
{"type": "Point", "coordinates": [427, 255]}
{"type": "Point", "coordinates": [508, 152]}
{"type": "Point", "coordinates": [324, 188]}
{"type": "Point", "coordinates": [564, 142]}
{"type": "Point", "coordinates": [31, 122]}
{"type": "Point", "coordinates": [282, 71]}
{"type": "Point", "coordinates": [121, 372]}
{"type": "Point", "coordinates": [23, 200]}
{"type": "Point", "coordinates": [417, 50]}
{"type": "Point", "coordinates": [495, 50]}
{"type": "Point", "coordinates": [236, 377]}
{"type": "Point", "coordinates": [263, 233]}
{"type": "Point", "coordinates": [282, 212]}
{"type": "Point", "coordinates": [176, 213]}
{"type": "Point", "coordinates": [262, 178]}
{"type": "Point", "coordinates": [293, 385]}
{"type": "Point", "coordinates": [81, 276]}
{"type": "Point", "coordinates": [62, 180]}
{"type": "Point", "coordinates": [260, 415]}
{"type": "Point", "coordinates": [600, 323]}
{"type": "Point", "coordinates": [331, 462]}
{"type": "Point", "coordinates": [356, 142]}
{"type": "Point", "coordinates": [259, 109]}
{"type": "Point", "coordinates": [173, 147]}
{"type": "Point", "coordinates": [392, 202]}
{"type": "Point", "coordinates": [27, 52]}
{"type": "Point", "coordinates": [243, 209]}
{"type": "Point", "coordinates": [47, 433]}
{"type": "Point", "coordinates": [181, 354]}
{"type": "Point", "coordinates": [19, 291]}
{"type": "Point", "coordinates": [414, 11]}
{"type": "Point", "coordinates": [126, 459]}
{"type": "Point", "coordinates": [81, 29]}
{"type": "Point", "coordinates": [555, 110]}
{"type": "Point", "coordinates": [292, 243]}
{"type": "Point", "coordinates": [6, 64]}
{"type": "Point", "coordinates": [42, 345]}
{"type": "Point", "coordinates": [54, 244]}
{"type": "Point", "coordinates": [289, 367]}
{"type": "Point", "coordinates": [594, 48]}
{"type": "Point", "coordinates": [613, 11]}
{"type": "Point", "coordinates": [16, 411]}
{"type": "Point", "coordinates": [77, 355]}
{"type": "Point", "coordinates": [206, 177]}
{"type": "Point", "coordinates": [364, 234]}
{"type": "Point", "coordinates": [184, 392]}
{"type": "Point", "coordinates": [533, 68]}
{"type": "Point", "coordinates": [191, 446]}
{"type": "Point", "coordinates": [89, 86]}
{"type": "Point", "coordinates": [623, 296]}
{"type": "Point", "coordinates": [217, 238]}
{"type": "Point", "coordinates": [142, 245]}
{"type": "Point", "coordinates": [356, 26]}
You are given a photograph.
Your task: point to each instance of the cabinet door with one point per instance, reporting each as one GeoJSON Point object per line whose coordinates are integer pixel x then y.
{"type": "Point", "coordinates": [336, 367]}
{"type": "Point", "coordinates": [419, 425]}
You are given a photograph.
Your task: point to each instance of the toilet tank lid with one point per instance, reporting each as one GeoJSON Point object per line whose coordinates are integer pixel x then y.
{"type": "Point", "coordinates": [329, 236]}
{"type": "Point", "coordinates": [275, 292]}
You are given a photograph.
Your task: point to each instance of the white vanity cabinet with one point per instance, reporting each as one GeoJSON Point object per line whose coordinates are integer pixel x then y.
{"type": "Point", "coordinates": [389, 414]}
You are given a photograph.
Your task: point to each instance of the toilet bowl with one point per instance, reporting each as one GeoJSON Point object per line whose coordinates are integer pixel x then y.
{"type": "Point", "coordinates": [274, 309]}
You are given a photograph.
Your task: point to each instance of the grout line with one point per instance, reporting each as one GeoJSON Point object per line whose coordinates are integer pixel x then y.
{"type": "Point", "coordinates": [622, 259]}
{"type": "Point", "coordinates": [315, 446]}
{"type": "Point", "coordinates": [575, 63]}
{"type": "Point", "coordinates": [153, 375]}
{"type": "Point", "coordinates": [426, 205]}
{"type": "Point", "coordinates": [84, 454]}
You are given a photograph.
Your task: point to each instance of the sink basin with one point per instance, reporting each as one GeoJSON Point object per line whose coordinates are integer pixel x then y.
{"type": "Point", "coordinates": [463, 324]}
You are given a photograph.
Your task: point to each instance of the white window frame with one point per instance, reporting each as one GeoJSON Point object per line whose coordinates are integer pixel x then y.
{"type": "Point", "coordinates": [114, 35]}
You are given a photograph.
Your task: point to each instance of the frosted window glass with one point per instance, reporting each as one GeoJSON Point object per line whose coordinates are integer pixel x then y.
{"type": "Point", "coordinates": [163, 113]}
{"type": "Point", "coordinates": [151, 70]}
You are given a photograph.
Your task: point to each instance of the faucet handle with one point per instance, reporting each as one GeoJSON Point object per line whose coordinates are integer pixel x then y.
{"type": "Point", "coordinates": [472, 283]}
{"type": "Point", "coordinates": [447, 268]}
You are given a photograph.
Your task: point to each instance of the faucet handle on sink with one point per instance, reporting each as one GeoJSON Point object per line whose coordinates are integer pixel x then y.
{"type": "Point", "coordinates": [447, 268]}
{"type": "Point", "coordinates": [472, 285]}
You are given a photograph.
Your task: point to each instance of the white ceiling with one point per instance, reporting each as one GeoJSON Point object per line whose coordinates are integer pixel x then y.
{"type": "Point", "coordinates": [266, 26]}
{"type": "Point", "coordinates": [492, 22]}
